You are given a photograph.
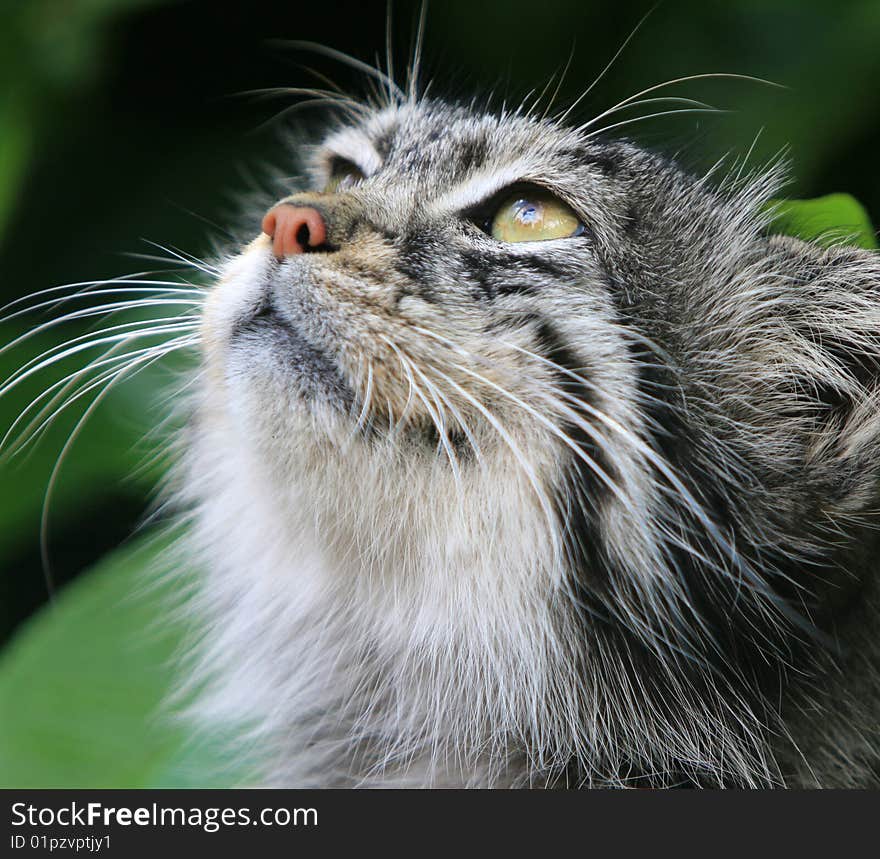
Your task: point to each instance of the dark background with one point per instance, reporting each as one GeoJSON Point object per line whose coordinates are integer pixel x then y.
{"type": "Point", "coordinates": [122, 120]}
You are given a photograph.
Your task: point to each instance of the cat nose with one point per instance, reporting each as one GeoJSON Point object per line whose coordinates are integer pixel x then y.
{"type": "Point", "coordinates": [294, 229]}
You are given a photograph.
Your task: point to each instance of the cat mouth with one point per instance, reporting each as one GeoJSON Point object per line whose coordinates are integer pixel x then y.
{"type": "Point", "coordinates": [310, 369]}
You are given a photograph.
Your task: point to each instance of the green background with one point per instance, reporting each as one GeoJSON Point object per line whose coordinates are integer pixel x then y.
{"type": "Point", "coordinates": [121, 121]}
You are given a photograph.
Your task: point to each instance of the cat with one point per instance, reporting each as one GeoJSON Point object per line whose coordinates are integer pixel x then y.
{"type": "Point", "coordinates": [520, 457]}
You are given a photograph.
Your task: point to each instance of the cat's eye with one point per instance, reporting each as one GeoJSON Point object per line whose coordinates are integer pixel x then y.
{"type": "Point", "coordinates": [343, 175]}
{"type": "Point", "coordinates": [533, 215]}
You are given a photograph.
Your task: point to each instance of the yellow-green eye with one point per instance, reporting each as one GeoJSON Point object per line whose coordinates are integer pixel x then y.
{"type": "Point", "coordinates": [534, 216]}
{"type": "Point", "coordinates": [343, 175]}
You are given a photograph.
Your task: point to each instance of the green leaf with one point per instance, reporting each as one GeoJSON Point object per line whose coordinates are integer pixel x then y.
{"type": "Point", "coordinates": [827, 220]}
{"type": "Point", "coordinates": [84, 684]}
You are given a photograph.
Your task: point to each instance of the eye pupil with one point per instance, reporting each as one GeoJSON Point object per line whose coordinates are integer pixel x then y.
{"type": "Point", "coordinates": [527, 213]}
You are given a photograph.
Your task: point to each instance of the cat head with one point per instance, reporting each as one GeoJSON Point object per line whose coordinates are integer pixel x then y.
{"type": "Point", "coordinates": [465, 312]}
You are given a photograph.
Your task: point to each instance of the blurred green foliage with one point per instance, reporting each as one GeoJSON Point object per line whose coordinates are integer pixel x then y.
{"type": "Point", "coordinates": [48, 48]}
{"type": "Point", "coordinates": [116, 124]}
{"type": "Point", "coordinates": [82, 690]}
{"type": "Point", "coordinates": [828, 220]}
{"type": "Point", "coordinates": [108, 680]}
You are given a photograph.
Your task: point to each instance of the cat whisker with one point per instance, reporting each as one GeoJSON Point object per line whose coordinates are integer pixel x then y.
{"type": "Point", "coordinates": [284, 91]}
{"type": "Point", "coordinates": [12, 444]}
{"type": "Point", "coordinates": [128, 370]}
{"type": "Point", "coordinates": [414, 70]}
{"type": "Point", "coordinates": [463, 425]}
{"type": "Point", "coordinates": [105, 311]}
{"type": "Point", "coordinates": [657, 115]}
{"type": "Point", "coordinates": [435, 414]}
{"type": "Point", "coordinates": [519, 456]}
{"type": "Point", "coordinates": [312, 98]}
{"type": "Point", "coordinates": [185, 258]}
{"type": "Point", "coordinates": [394, 90]}
{"type": "Point", "coordinates": [552, 100]}
{"type": "Point", "coordinates": [572, 414]}
{"type": "Point", "coordinates": [39, 424]}
{"type": "Point", "coordinates": [607, 67]}
{"type": "Point", "coordinates": [673, 81]}
{"type": "Point", "coordinates": [408, 405]}
{"type": "Point", "coordinates": [306, 104]}
{"type": "Point", "coordinates": [559, 433]}
{"type": "Point", "coordinates": [731, 561]}
{"type": "Point", "coordinates": [88, 287]}
{"type": "Point", "coordinates": [389, 47]}
{"type": "Point", "coordinates": [367, 402]}
{"type": "Point", "coordinates": [53, 355]}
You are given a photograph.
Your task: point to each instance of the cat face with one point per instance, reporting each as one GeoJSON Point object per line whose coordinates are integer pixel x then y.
{"type": "Point", "coordinates": [411, 286]}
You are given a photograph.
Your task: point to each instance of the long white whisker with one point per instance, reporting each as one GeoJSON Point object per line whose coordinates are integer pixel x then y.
{"type": "Point", "coordinates": [356, 115]}
{"type": "Point", "coordinates": [608, 65]}
{"type": "Point", "coordinates": [462, 423]}
{"type": "Point", "coordinates": [436, 416]}
{"type": "Point", "coordinates": [63, 386]}
{"type": "Point", "coordinates": [523, 462]}
{"type": "Point", "coordinates": [53, 477]}
{"type": "Point", "coordinates": [145, 327]}
{"type": "Point", "coordinates": [415, 65]}
{"type": "Point", "coordinates": [346, 59]}
{"type": "Point", "coordinates": [150, 356]}
{"type": "Point", "coordinates": [658, 462]}
{"type": "Point", "coordinates": [643, 450]}
{"type": "Point", "coordinates": [567, 440]}
{"type": "Point", "coordinates": [85, 288]}
{"type": "Point", "coordinates": [57, 391]}
{"type": "Point", "coordinates": [552, 100]}
{"type": "Point", "coordinates": [177, 262]}
{"type": "Point", "coordinates": [44, 362]}
{"type": "Point", "coordinates": [367, 400]}
{"type": "Point", "coordinates": [103, 310]}
{"type": "Point", "coordinates": [336, 96]}
{"type": "Point", "coordinates": [608, 128]}
{"type": "Point", "coordinates": [685, 79]}
{"type": "Point", "coordinates": [389, 52]}
{"type": "Point", "coordinates": [186, 258]}
{"type": "Point", "coordinates": [440, 401]}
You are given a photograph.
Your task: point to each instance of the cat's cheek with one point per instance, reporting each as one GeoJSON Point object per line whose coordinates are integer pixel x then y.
{"type": "Point", "coordinates": [236, 295]}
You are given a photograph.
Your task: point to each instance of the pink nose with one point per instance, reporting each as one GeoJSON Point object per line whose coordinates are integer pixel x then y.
{"type": "Point", "coordinates": [294, 229]}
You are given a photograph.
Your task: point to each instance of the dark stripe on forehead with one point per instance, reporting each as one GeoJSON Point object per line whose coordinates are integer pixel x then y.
{"type": "Point", "coordinates": [471, 154]}
{"type": "Point", "coordinates": [607, 159]}
{"type": "Point", "coordinates": [384, 142]}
